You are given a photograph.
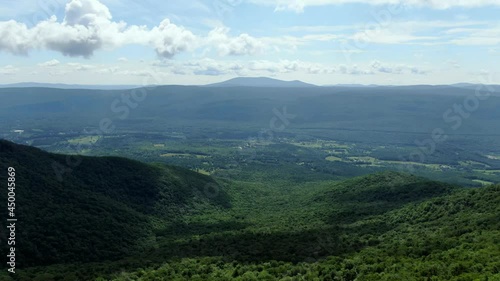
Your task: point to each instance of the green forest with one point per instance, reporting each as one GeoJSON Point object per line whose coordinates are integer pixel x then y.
{"type": "Point", "coordinates": [111, 218]}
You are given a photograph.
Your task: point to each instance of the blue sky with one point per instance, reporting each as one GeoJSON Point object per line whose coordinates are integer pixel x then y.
{"type": "Point", "coordinates": [197, 42]}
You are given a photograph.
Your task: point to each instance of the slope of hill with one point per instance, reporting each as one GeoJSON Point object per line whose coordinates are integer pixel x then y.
{"type": "Point", "coordinates": [452, 235]}
{"type": "Point", "coordinates": [103, 208]}
{"type": "Point", "coordinates": [437, 232]}
{"type": "Point", "coordinates": [378, 193]}
{"type": "Point", "coordinates": [261, 82]}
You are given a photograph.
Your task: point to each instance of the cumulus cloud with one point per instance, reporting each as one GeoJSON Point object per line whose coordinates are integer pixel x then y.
{"type": "Point", "coordinates": [244, 44]}
{"type": "Point", "coordinates": [88, 27]}
{"type": "Point", "coordinates": [86, 13]}
{"type": "Point", "coordinates": [204, 66]}
{"type": "Point", "coordinates": [79, 66]}
{"type": "Point", "coordinates": [8, 70]}
{"type": "Point", "coordinates": [213, 67]}
{"type": "Point", "coordinates": [380, 67]}
{"type": "Point", "coordinates": [16, 38]}
{"type": "Point", "coordinates": [108, 70]}
{"type": "Point", "coordinates": [354, 70]}
{"type": "Point", "coordinates": [169, 39]}
{"type": "Point", "coordinates": [80, 33]}
{"type": "Point", "coordinates": [49, 63]}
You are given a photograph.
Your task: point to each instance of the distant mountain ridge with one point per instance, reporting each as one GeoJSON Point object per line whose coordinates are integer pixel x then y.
{"type": "Point", "coordinates": [68, 86]}
{"type": "Point", "coordinates": [239, 82]}
{"type": "Point", "coordinates": [261, 82]}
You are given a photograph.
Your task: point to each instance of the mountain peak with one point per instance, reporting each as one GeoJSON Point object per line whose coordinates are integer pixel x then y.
{"type": "Point", "coordinates": [261, 82]}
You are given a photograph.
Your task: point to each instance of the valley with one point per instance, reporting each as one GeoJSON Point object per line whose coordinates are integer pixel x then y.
{"type": "Point", "coordinates": [227, 129]}
{"type": "Point", "coordinates": [203, 184]}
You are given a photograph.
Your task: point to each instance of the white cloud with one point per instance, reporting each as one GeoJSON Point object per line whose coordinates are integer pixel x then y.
{"type": "Point", "coordinates": [79, 66]}
{"type": "Point", "coordinates": [205, 66]}
{"type": "Point", "coordinates": [169, 39]}
{"type": "Point", "coordinates": [293, 43]}
{"type": "Point", "coordinates": [316, 28]}
{"type": "Point", "coordinates": [143, 73]}
{"type": "Point", "coordinates": [380, 67]}
{"type": "Point", "coordinates": [207, 70]}
{"type": "Point", "coordinates": [108, 70]}
{"type": "Point", "coordinates": [8, 70]}
{"type": "Point", "coordinates": [488, 36]}
{"type": "Point", "coordinates": [244, 44]}
{"type": "Point", "coordinates": [49, 63]}
{"type": "Point", "coordinates": [211, 67]}
{"type": "Point", "coordinates": [88, 26]}
{"type": "Point", "coordinates": [387, 36]}
{"type": "Point", "coordinates": [16, 38]}
{"type": "Point", "coordinates": [425, 33]}
{"type": "Point", "coordinates": [86, 13]}
{"type": "Point", "coordinates": [299, 5]}
{"type": "Point", "coordinates": [356, 37]}
{"type": "Point", "coordinates": [354, 70]}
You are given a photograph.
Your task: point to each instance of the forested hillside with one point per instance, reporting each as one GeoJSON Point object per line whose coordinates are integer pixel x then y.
{"type": "Point", "coordinates": [117, 219]}
{"type": "Point", "coordinates": [105, 208]}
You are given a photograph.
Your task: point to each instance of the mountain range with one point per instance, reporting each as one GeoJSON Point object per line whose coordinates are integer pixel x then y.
{"type": "Point", "coordinates": [234, 82]}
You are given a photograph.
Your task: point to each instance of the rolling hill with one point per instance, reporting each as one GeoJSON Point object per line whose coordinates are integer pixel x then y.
{"type": "Point", "coordinates": [102, 208]}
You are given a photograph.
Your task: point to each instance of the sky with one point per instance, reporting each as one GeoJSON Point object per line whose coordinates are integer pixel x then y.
{"type": "Point", "coordinates": [193, 42]}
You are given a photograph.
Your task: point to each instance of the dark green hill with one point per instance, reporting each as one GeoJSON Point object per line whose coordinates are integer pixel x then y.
{"type": "Point", "coordinates": [103, 208]}
{"type": "Point", "coordinates": [440, 233]}
{"type": "Point", "coordinates": [379, 193]}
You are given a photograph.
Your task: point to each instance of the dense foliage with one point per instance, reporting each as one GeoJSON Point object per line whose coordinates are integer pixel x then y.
{"type": "Point", "coordinates": [105, 221]}
{"type": "Point", "coordinates": [452, 237]}
{"type": "Point", "coordinates": [102, 209]}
